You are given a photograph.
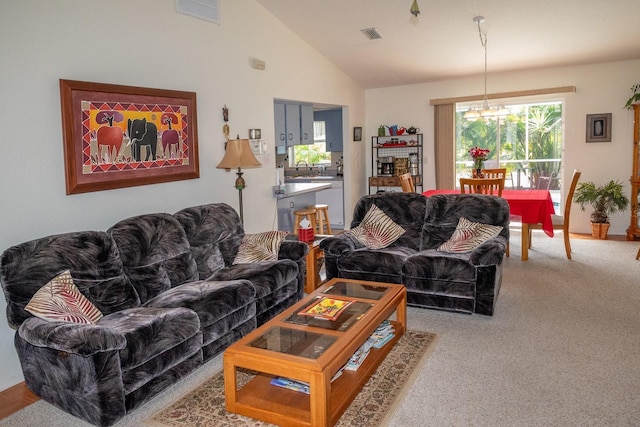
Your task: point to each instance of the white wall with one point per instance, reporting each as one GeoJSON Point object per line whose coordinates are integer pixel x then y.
{"type": "Point", "coordinates": [143, 43]}
{"type": "Point", "coordinates": [601, 88]}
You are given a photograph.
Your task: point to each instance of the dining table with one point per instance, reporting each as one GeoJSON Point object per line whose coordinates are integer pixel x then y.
{"type": "Point", "coordinates": [532, 206]}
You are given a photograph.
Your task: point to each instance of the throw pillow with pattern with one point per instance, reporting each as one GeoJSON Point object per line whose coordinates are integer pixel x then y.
{"type": "Point", "coordinates": [377, 230]}
{"type": "Point", "coordinates": [468, 235]}
{"type": "Point", "coordinates": [259, 247]}
{"type": "Point", "coordinates": [60, 300]}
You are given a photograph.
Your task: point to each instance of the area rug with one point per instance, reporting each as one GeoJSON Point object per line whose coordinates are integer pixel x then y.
{"type": "Point", "coordinates": [374, 405]}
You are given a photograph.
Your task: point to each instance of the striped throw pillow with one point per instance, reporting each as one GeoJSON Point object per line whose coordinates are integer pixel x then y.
{"type": "Point", "coordinates": [469, 235]}
{"type": "Point", "coordinates": [60, 300]}
{"type": "Point", "coordinates": [377, 230]}
{"type": "Point", "coordinates": [259, 247]}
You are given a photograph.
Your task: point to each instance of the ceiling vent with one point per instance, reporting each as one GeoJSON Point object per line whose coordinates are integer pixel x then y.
{"type": "Point", "coordinates": [371, 33]}
{"type": "Point", "coordinates": [203, 9]}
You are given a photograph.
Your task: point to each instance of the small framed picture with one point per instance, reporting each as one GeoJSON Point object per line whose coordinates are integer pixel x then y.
{"type": "Point", "coordinates": [599, 127]}
{"type": "Point", "coordinates": [357, 134]}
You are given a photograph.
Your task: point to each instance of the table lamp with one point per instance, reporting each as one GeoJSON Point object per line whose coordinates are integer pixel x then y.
{"type": "Point", "coordinates": [238, 154]}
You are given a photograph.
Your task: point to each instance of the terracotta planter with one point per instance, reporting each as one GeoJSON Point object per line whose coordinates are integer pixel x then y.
{"type": "Point", "coordinates": [599, 230]}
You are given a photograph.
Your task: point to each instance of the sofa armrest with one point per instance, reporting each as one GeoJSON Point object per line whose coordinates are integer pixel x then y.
{"type": "Point", "coordinates": [293, 250]}
{"type": "Point", "coordinates": [76, 338]}
{"type": "Point", "coordinates": [335, 245]}
{"type": "Point", "coordinates": [490, 252]}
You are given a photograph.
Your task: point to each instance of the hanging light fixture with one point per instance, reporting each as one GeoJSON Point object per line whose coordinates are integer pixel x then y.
{"type": "Point", "coordinates": [415, 10]}
{"type": "Point", "coordinates": [486, 111]}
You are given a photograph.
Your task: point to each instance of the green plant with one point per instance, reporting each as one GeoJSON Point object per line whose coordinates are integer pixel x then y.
{"type": "Point", "coordinates": [634, 98]}
{"type": "Point", "coordinates": [605, 200]}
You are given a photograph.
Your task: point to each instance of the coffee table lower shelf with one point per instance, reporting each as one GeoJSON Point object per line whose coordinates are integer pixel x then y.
{"type": "Point", "coordinates": [262, 400]}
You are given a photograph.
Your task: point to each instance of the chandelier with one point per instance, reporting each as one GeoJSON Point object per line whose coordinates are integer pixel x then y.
{"type": "Point", "coordinates": [486, 111]}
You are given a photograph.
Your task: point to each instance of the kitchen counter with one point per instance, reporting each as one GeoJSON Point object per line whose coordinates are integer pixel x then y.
{"type": "Point", "coordinates": [296, 196]}
{"type": "Point", "coordinates": [292, 189]}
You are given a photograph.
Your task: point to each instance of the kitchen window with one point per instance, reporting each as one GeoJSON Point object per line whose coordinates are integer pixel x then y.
{"type": "Point", "coordinates": [313, 154]}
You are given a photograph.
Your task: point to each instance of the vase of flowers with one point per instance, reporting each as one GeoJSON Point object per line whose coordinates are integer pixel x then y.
{"type": "Point", "coordinates": [479, 155]}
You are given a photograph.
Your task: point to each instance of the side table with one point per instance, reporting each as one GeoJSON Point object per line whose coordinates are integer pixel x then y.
{"type": "Point", "coordinates": [314, 262]}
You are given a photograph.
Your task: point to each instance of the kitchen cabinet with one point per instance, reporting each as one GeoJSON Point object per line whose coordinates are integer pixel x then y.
{"type": "Point", "coordinates": [293, 124]}
{"type": "Point", "coordinates": [633, 232]}
{"type": "Point", "coordinates": [392, 156]}
{"type": "Point", "coordinates": [333, 128]}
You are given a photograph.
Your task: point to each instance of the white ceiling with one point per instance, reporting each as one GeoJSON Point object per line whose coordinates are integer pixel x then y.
{"type": "Point", "coordinates": [443, 41]}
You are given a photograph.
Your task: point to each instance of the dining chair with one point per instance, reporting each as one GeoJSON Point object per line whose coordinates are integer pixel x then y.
{"type": "Point", "coordinates": [498, 173]}
{"type": "Point", "coordinates": [495, 173]}
{"type": "Point", "coordinates": [561, 222]}
{"type": "Point", "coordinates": [406, 181]}
{"type": "Point", "coordinates": [492, 186]}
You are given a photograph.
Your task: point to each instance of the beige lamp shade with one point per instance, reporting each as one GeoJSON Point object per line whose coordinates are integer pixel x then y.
{"type": "Point", "coordinates": [238, 155]}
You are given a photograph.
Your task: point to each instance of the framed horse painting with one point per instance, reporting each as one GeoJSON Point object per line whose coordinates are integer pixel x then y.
{"type": "Point", "coordinates": [122, 136]}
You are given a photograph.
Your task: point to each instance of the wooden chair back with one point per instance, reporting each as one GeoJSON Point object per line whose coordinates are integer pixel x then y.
{"type": "Point", "coordinates": [495, 173]}
{"type": "Point", "coordinates": [406, 181]}
{"type": "Point", "coordinates": [491, 186]}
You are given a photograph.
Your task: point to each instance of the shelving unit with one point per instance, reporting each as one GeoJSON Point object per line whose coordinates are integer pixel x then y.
{"type": "Point", "coordinates": [633, 232]}
{"type": "Point", "coordinates": [401, 148]}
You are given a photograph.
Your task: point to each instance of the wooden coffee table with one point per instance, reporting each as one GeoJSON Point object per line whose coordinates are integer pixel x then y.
{"type": "Point", "coordinates": [312, 350]}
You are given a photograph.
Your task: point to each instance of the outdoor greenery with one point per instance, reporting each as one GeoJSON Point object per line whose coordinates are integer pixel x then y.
{"type": "Point", "coordinates": [313, 154]}
{"type": "Point", "coordinates": [605, 200]}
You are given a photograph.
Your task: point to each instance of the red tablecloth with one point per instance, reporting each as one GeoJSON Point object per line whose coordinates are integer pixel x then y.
{"type": "Point", "coordinates": [534, 206]}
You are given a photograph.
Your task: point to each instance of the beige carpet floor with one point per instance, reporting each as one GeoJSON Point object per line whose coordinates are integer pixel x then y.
{"type": "Point", "coordinates": [563, 349]}
{"type": "Point", "coordinates": [204, 406]}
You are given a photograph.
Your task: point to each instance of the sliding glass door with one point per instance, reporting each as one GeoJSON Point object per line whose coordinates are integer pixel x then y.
{"type": "Point", "coordinates": [528, 141]}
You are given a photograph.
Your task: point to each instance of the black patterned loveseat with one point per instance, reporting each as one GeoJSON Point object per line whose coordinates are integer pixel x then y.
{"type": "Point", "coordinates": [463, 282]}
{"type": "Point", "coordinates": [170, 299]}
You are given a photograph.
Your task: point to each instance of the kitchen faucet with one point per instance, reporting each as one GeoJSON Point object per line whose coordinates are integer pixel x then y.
{"type": "Point", "coordinates": [302, 161]}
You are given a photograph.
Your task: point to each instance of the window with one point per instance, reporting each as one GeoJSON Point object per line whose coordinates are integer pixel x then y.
{"type": "Point", "coordinates": [313, 154]}
{"type": "Point", "coordinates": [528, 142]}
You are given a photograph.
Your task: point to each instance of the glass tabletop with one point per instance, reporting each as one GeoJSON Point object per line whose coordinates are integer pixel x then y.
{"type": "Point", "coordinates": [294, 342]}
{"type": "Point", "coordinates": [357, 290]}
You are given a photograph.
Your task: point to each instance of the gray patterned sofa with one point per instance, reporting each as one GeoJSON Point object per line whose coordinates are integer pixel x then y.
{"type": "Point", "coordinates": [461, 282]}
{"type": "Point", "coordinates": [170, 299]}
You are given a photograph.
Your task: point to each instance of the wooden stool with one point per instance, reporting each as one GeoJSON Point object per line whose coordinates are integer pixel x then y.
{"type": "Point", "coordinates": [299, 215]}
{"type": "Point", "coordinates": [322, 217]}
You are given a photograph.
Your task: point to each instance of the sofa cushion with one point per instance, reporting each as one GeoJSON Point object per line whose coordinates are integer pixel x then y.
{"type": "Point", "coordinates": [405, 209]}
{"type": "Point", "coordinates": [214, 232]}
{"type": "Point", "coordinates": [377, 230]}
{"type": "Point", "coordinates": [260, 247]}
{"type": "Point", "coordinates": [378, 265]}
{"type": "Point", "coordinates": [155, 253]}
{"type": "Point", "coordinates": [91, 256]}
{"type": "Point", "coordinates": [445, 210]}
{"type": "Point", "coordinates": [60, 300]}
{"type": "Point", "coordinates": [150, 331]}
{"type": "Point", "coordinates": [468, 235]}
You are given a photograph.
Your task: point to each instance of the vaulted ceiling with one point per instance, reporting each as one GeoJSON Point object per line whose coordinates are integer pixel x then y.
{"type": "Point", "coordinates": [443, 41]}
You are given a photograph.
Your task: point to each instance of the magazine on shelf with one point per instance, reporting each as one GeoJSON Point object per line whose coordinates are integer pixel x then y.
{"type": "Point", "coordinates": [291, 384]}
{"type": "Point", "coordinates": [326, 308]}
{"type": "Point", "coordinates": [382, 335]}
{"type": "Point", "coordinates": [296, 385]}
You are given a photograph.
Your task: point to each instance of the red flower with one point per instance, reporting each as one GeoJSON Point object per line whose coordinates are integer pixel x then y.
{"type": "Point", "coordinates": [478, 153]}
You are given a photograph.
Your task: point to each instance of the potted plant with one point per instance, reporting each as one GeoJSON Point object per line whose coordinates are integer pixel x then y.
{"type": "Point", "coordinates": [605, 200]}
{"type": "Point", "coordinates": [634, 98]}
